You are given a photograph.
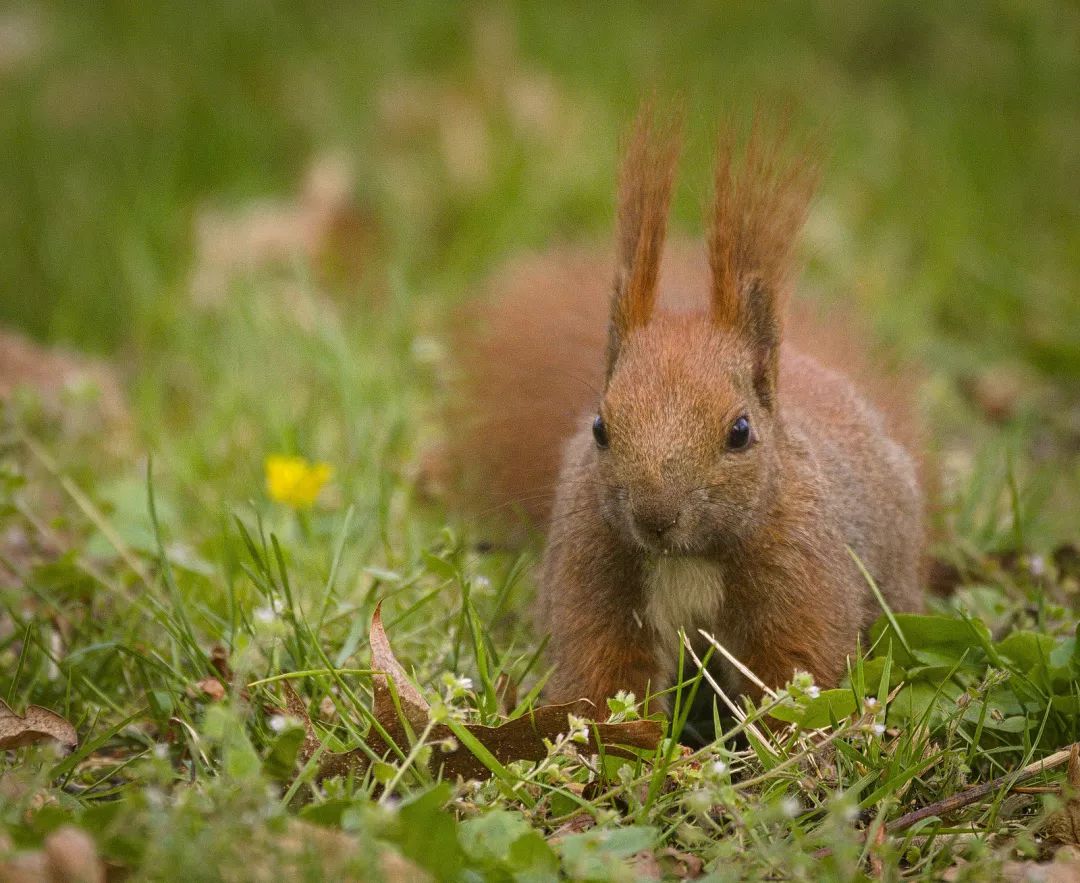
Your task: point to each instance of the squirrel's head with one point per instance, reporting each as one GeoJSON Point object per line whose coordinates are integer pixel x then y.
{"type": "Point", "coordinates": [686, 429]}
{"type": "Point", "coordinates": [684, 439]}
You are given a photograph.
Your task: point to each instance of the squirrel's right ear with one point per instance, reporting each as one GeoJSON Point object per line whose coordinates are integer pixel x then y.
{"type": "Point", "coordinates": [645, 185]}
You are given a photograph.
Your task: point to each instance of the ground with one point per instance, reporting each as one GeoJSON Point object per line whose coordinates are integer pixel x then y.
{"type": "Point", "coordinates": [239, 234]}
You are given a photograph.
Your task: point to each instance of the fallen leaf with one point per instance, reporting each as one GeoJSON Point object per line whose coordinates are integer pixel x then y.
{"type": "Point", "coordinates": [337, 853]}
{"type": "Point", "coordinates": [1063, 826]}
{"type": "Point", "coordinates": [667, 864]}
{"type": "Point", "coordinates": [646, 867]}
{"type": "Point", "coordinates": [396, 868]}
{"type": "Point", "coordinates": [877, 866]}
{"type": "Point", "coordinates": [82, 395]}
{"type": "Point", "coordinates": [389, 671]}
{"type": "Point", "coordinates": [294, 705]}
{"type": "Point", "coordinates": [25, 867]}
{"type": "Point", "coordinates": [36, 725]}
{"type": "Point", "coordinates": [219, 658]}
{"type": "Point", "coordinates": [73, 856]}
{"type": "Point", "coordinates": [576, 824]}
{"type": "Point", "coordinates": [325, 225]}
{"type": "Point", "coordinates": [213, 688]}
{"type": "Point", "coordinates": [682, 865]}
{"type": "Point", "coordinates": [399, 707]}
{"type": "Point", "coordinates": [327, 709]}
{"type": "Point", "coordinates": [996, 391]}
{"type": "Point", "coordinates": [1065, 868]}
{"type": "Point", "coordinates": [68, 855]}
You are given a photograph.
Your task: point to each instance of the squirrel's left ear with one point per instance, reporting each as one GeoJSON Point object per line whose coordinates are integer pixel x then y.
{"type": "Point", "coordinates": [759, 205]}
{"type": "Point", "coordinates": [645, 185]}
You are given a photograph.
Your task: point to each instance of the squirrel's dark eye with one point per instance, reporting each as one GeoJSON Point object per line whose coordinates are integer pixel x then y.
{"type": "Point", "coordinates": [739, 434]}
{"type": "Point", "coordinates": [599, 432]}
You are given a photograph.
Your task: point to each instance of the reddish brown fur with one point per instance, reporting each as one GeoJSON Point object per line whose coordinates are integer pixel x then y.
{"type": "Point", "coordinates": [645, 183]}
{"type": "Point", "coordinates": [759, 204]}
{"type": "Point", "coordinates": [667, 527]}
{"type": "Point", "coordinates": [532, 365]}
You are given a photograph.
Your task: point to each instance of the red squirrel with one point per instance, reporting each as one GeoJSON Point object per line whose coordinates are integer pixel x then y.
{"type": "Point", "coordinates": [696, 468]}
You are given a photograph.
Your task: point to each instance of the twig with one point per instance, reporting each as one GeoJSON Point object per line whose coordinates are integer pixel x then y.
{"type": "Point", "coordinates": [739, 714]}
{"type": "Point", "coordinates": [730, 657]}
{"type": "Point", "coordinates": [972, 795]}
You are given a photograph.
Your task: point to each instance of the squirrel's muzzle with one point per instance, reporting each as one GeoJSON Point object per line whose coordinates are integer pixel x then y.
{"type": "Point", "coordinates": [655, 520]}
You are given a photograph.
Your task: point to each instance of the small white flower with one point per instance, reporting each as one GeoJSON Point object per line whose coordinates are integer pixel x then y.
{"type": "Point", "coordinates": [870, 702]}
{"type": "Point", "coordinates": [878, 730]}
{"type": "Point", "coordinates": [161, 751]}
{"type": "Point", "coordinates": [579, 729]}
{"type": "Point", "coordinates": [264, 614]}
{"type": "Point", "coordinates": [1037, 565]}
{"type": "Point", "coordinates": [278, 723]}
{"type": "Point", "coordinates": [482, 583]}
{"type": "Point", "coordinates": [427, 350]}
{"type": "Point", "coordinates": [813, 691]}
{"type": "Point", "coordinates": [719, 767]}
{"type": "Point", "coordinates": [456, 686]}
{"type": "Point", "coordinates": [699, 801]}
{"type": "Point", "coordinates": [790, 807]}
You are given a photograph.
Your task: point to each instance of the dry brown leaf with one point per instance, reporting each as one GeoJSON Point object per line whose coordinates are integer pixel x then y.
{"type": "Point", "coordinates": [337, 852]}
{"type": "Point", "coordinates": [325, 225]}
{"type": "Point", "coordinates": [667, 864]}
{"type": "Point", "coordinates": [576, 824]}
{"type": "Point", "coordinates": [877, 867]}
{"type": "Point", "coordinates": [645, 865]}
{"type": "Point", "coordinates": [388, 670]}
{"type": "Point", "coordinates": [327, 709]}
{"type": "Point", "coordinates": [219, 658]}
{"type": "Point", "coordinates": [682, 865]}
{"type": "Point", "coordinates": [80, 395]}
{"type": "Point", "coordinates": [67, 856]}
{"type": "Point", "coordinates": [396, 868]}
{"type": "Point", "coordinates": [524, 738]}
{"type": "Point", "coordinates": [51, 372]}
{"type": "Point", "coordinates": [1064, 825]}
{"type": "Point", "coordinates": [25, 867]}
{"type": "Point", "coordinates": [1065, 868]}
{"type": "Point", "coordinates": [213, 688]}
{"type": "Point", "coordinates": [36, 725]}
{"type": "Point", "coordinates": [294, 705]}
{"type": "Point", "coordinates": [996, 391]}
{"type": "Point", "coordinates": [73, 856]}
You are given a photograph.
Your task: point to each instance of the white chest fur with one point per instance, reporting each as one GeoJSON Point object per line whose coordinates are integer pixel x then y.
{"type": "Point", "coordinates": [684, 593]}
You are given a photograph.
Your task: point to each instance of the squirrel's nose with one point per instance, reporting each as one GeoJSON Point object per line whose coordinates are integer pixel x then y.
{"type": "Point", "coordinates": [655, 521]}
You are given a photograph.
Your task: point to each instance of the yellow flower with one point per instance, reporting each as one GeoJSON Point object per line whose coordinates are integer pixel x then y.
{"type": "Point", "coordinates": [295, 481]}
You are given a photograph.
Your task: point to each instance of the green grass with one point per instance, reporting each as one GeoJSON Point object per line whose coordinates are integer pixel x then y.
{"type": "Point", "coordinates": [947, 218]}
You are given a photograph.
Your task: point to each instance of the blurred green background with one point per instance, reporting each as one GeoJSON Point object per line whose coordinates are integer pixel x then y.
{"type": "Point", "coordinates": [141, 140]}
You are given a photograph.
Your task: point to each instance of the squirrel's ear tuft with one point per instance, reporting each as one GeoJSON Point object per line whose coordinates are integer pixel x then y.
{"type": "Point", "coordinates": [761, 198]}
{"type": "Point", "coordinates": [645, 184]}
